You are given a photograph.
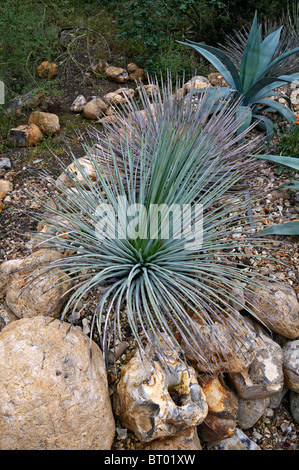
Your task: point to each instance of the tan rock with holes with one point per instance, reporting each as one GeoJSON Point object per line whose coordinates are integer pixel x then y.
{"type": "Point", "coordinates": [52, 397]}
{"type": "Point", "coordinates": [47, 122]}
{"type": "Point", "coordinates": [44, 294]}
{"type": "Point", "coordinates": [156, 399]}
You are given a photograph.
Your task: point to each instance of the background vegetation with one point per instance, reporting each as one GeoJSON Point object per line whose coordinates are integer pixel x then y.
{"type": "Point", "coordinates": [142, 31]}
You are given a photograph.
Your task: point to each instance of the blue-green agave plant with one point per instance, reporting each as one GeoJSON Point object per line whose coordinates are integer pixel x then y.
{"type": "Point", "coordinates": [234, 44]}
{"type": "Point", "coordinates": [250, 79]}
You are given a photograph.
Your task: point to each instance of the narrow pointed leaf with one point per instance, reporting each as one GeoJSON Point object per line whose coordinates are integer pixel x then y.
{"type": "Point", "coordinates": [291, 162]}
{"type": "Point", "coordinates": [267, 50]}
{"type": "Point", "coordinates": [289, 228]}
{"type": "Point", "coordinates": [220, 61]}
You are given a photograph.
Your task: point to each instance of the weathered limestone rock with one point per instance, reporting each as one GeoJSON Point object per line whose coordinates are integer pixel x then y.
{"type": "Point", "coordinates": [78, 104]}
{"type": "Point", "coordinates": [78, 169]}
{"type": "Point", "coordinates": [220, 422]}
{"type": "Point", "coordinates": [52, 396]}
{"type": "Point", "coordinates": [7, 273]}
{"type": "Point", "coordinates": [156, 400]}
{"type": "Point", "coordinates": [183, 440]}
{"type": "Point", "coordinates": [47, 70]}
{"type": "Point", "coordinates": [44, 295]}
{"type": "Point", "coordinates": [5, 187]}
{"type": "Point", "coordinates": [250, 411]}
{"type": "Point", "coordinates": [117, 74]}
{"type": "Point", "coordinates": [239, 441]}
{"type": "Point", "coordinates": [47, 122]}
{"type": "Point", "coordinates": [226, 350]}
{"type": "Point", "coordinates": [291, 365]}
{"type": "Point", "coordinates": [95, 108]}
{"type": "Point", "coordinates": [25, 136]}
{"type": "Point", "coordinates": [276, 305]}
{"type": "Point", "coordinates": [264, 377]}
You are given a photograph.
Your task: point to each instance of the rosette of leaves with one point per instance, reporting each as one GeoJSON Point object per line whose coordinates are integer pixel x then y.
{"type": "Point", "coordinates": [250, 78]}
{"type": "Point", "coordinates": [187, 114]}
{"type": "Point", "coordinates": [161, 284]}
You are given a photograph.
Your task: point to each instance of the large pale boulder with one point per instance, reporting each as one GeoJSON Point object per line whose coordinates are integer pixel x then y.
{"type": "Point", "coordinates": [291, 365]}
{"type": "Point", "coordinates": [156, 399]}
{"type": "Point", "coordinates": [53, 389]}
{"type": "Point", "coordinates": [41, 294]}
{"type": "Point", "coordinates": [276, 305]}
